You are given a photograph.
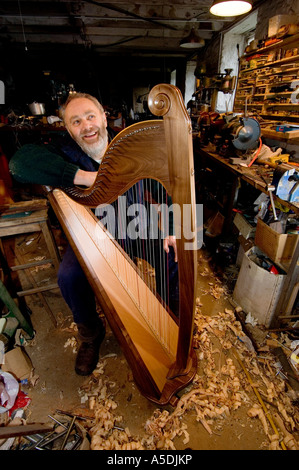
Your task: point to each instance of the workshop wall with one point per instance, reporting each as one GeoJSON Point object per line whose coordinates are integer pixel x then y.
{"type": "Point", "coordinates": [208, 57]}
{"type": "Point", "coordinates": [230, 59]}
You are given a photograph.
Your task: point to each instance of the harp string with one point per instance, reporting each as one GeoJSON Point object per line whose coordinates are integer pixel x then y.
{"type": "Point", "coordinates": [151, 249]}
{"type": "Point", "coordinates": [129, 249]}
{"type": "Point", "coordinates": [147, 249]}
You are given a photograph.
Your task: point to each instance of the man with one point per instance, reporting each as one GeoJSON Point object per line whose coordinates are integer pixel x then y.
{"type": "Point", "coordinates": [67, 161]}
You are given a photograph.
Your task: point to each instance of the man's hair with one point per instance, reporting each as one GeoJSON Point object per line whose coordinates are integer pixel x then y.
{"type": "Point", "coordinates": [75, 96]}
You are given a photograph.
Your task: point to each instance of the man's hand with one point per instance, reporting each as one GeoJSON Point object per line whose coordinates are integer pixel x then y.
{"type": "Point", "coordinates": [85, 178]}
{"type": "Point", "coordinates": [171, 241]}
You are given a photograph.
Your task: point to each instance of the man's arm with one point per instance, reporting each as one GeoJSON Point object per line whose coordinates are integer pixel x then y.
{"type": "Point", "coordinates": [38, 165]}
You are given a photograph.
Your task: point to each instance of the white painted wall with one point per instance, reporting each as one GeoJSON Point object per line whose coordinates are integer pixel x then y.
{"type": "Point", "coordinates": [190, 85]}
{"type": "Point", "coordinates": [229, 56]}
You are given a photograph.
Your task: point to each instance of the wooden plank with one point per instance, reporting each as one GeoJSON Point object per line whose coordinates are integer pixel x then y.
{"type": "Point", "coordinates": [51, 245]}
{"type": "Point", "coordinates": [37, 289]}
{"type": "Point", "coordinates": [283, 136]}
{"type": "Point", "coordinates": [32, 280]}
{"type": "Point", "coordinates": [31, 265]}
{"type": "Point", "coordinates": [34, 217]}
{"type": "Point", "coordinates": [23, 206]}
{"type": "Point", "coordinates": [18, 229]}
{"type": "Point", "coordinates": [25, 430]}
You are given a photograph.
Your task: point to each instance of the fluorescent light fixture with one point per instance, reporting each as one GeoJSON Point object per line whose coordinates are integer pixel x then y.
{"type": "Point", "coordinates": [192, 41]}
{"type": "Point", "coordinates": [230, 7]}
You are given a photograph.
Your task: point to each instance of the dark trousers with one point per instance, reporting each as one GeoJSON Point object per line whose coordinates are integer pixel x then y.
{"type": "Point", "coordinates": [76, 290]}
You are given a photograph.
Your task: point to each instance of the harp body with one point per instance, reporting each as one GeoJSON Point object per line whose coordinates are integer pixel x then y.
{"type": "Point", "coordinates": [157, 346]}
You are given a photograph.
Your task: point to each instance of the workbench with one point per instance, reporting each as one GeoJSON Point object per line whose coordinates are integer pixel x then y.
{"type": "Point", "coordinates": [257, 176]}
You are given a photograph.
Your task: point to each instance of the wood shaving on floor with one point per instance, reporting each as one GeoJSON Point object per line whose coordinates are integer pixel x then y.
{"type": "Point", "coordinates": [219, 389]}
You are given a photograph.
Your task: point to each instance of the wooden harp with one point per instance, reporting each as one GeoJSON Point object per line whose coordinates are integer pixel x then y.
{"type": "Point", "coordinates": [157, 346]}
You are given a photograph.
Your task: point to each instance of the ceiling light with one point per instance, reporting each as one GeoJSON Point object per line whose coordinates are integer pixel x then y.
{"type": "Point", "coordinates": [230, 7]}
{"type": "Point", "coordinates": [192, 41]}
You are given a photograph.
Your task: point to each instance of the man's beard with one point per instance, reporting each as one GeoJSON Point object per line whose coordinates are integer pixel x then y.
{"type": "Point", "coordinates": [96, 150]}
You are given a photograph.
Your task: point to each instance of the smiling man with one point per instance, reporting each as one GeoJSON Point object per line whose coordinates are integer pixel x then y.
{"type": "Point", "coordinates": [86, 122]}
{"type": "Point", "coordinates": [71, 158]}
{"type": "Point", "coordinates": [74, 159]}
{"type": "Point", "coordinates": [68, 160]}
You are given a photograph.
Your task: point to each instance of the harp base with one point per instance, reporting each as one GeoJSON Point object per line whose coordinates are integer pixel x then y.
{"type": "Point", "coordinates": [174, 384]}
{"type": "Point", "coordinates": [177, 371]}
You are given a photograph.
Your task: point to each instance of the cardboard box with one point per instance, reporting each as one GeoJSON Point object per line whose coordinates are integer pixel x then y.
{"type": "Point", "coordinates": [279, 247]}
{"type": "Point", "coordinates": [277, 21]}
{"type": "Point", "coordinates": [257, 291]}
{"type": "Point", "coordinates": [18, 363]}
{"type": "Point", "coordinates": [244, 227]}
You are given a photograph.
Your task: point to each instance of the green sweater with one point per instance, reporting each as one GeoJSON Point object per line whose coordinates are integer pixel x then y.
{"type": "Point", "coordinates": [40, 164]}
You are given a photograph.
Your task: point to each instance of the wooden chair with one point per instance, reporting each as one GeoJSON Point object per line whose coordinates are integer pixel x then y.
{"type": "Point", "coordinates": [26, 217]}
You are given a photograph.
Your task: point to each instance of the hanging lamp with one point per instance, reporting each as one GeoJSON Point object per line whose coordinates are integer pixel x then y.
{"type": "Point", "coordinates": [230, 7]}
{"type": "Point", "coordinates": [192, 41]}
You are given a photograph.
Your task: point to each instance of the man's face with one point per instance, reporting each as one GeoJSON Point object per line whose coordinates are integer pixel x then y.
{"type": "Point", "coordinates": [87, 124]}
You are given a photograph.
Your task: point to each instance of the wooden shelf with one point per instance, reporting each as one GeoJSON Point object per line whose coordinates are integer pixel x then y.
{"type": "Point", "coordinates": [283, 61]}
{"type": "Point", "coordinates": [283, 42]}
{"type": "Point", "coordinates": [278, 93]}
{"type": "Point", "coordinates": [279, 72]}
{"type": "Point", "coordinates": [280, 115]}
{"type": "Point", "coordinates": [270, 105]}
{"type": "Point", "coordinates": [255, 87]}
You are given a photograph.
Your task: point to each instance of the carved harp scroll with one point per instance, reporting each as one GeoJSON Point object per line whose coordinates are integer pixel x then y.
{"type": "Point", "coordinates": [158, 149]}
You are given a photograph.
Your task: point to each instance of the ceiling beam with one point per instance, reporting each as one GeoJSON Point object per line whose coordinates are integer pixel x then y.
{"type": "Point", "coordinates": [128, 13]}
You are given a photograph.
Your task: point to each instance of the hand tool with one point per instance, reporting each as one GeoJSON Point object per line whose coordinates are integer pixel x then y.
{"type": "Point", "coordinates": [68, 429]}
{"type": "Point", "coordinates": [68, 432]}
{"type": "Point", "coordinates": [61, 424]}
{"type": "Point", "coordinates": [270, 189]}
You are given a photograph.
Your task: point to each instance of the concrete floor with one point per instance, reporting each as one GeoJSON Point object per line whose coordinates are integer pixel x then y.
{"type": "Point", "coordinates": [57, 387]}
